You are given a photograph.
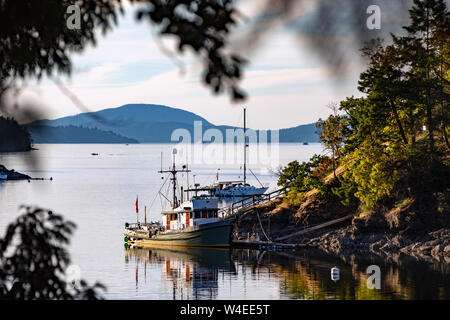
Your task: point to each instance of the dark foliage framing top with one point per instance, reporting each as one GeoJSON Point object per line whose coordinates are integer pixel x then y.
{"type": "Point", "coordinates": [203, 26]}
{"type": "Point", "coordinates": [35, 40]}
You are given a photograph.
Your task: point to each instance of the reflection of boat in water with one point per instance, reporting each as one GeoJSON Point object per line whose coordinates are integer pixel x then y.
{"type": "Point", "coordinates": [206, 257]}
{"type": "Point", "coordinates": [205, 273]}
{"type": "Point", "coordinates": [192, 271]}
{"type": "Point", "coordinates": [190, 223]}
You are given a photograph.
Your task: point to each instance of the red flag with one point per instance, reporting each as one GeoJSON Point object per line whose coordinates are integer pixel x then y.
{"type": "Point", "coordinates": [137, 207]}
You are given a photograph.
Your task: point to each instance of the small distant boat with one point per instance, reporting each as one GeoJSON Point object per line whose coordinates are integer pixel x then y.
{"type": "Point", "coordinates": [305, 143]}
{"type": "Point", "coordinates": [94, 154]}
{"type": "Point", "coordinates": [3, 177]}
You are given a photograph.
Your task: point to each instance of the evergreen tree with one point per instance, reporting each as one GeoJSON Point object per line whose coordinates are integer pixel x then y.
{"type": "Point", "coordinates": [424, 49]}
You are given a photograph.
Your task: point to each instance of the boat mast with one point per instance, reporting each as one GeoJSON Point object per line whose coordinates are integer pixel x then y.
{"type": "Point", "coordinates": [174, 172]}
{"type": "Point", "coordinates": [245, 148]}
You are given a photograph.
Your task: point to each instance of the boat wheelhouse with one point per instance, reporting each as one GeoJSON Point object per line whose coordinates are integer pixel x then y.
{"type": "Point", "coordinates": [191, 213]}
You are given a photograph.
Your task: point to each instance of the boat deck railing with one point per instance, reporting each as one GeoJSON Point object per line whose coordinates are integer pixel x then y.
{"type": "Point", "coordinates": [139, 225]}
{"type": "Point", "coordinates": [242, 205]}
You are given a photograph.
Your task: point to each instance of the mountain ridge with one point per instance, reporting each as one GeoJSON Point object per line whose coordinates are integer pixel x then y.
{"type": "Point", "coordinates": [149, 123]}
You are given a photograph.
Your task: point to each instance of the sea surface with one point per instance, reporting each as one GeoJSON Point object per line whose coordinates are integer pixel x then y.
{"type": "Point", "coordinates": [98, 193]}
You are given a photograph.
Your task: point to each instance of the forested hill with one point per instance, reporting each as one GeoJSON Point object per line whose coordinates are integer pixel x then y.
{"type": "Point", "coordinates": [13, 137]}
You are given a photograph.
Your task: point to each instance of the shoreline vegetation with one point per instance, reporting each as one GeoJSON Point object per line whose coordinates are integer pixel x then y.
{"type": "Point", "coordinates": [389, 156]}
{"type": "Point", "coordinates": [13, 136]}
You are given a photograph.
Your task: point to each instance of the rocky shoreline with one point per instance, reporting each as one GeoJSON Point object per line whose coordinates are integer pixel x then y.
{"type": "Point", "coordinates": [360, 235]}
{"type": "Point", "coordinates": [13, 175]}
{"type": "Point", "coordinates": [434, 245]}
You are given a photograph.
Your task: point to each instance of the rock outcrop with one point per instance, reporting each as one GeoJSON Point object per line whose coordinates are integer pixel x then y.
{"type": "Point", "coordinates": [13, 175]}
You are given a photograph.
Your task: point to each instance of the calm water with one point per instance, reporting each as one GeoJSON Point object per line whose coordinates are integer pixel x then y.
{"type": "Point", "coordinates": [98, 193]}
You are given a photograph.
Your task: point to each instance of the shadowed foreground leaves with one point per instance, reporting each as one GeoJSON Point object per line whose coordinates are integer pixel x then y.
{"type": "Point", "coordinates": [34, 259]}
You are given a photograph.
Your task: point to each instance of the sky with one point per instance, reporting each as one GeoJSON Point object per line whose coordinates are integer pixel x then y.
{"type": "Point", "coordinates": [287, 83]}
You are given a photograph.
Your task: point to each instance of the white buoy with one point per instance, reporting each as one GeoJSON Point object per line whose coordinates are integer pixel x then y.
{"type": "Point", "coordinates": [335, 274]}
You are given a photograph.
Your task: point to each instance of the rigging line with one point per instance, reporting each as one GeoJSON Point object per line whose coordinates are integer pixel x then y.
{"type": "Point", "coordinates": [151, 205]}
{"type": "Point", "coordinates": [260, 224]}
{"type": "Point", "coordinates": [161, 195]}
{"type": "Point", "coordinates": [164, 197]}
{"type": "Point", "coordinates": [161, 202]}
{"type": "Point", "coordinates": [256, 177]}
{"type": "Point", "coordinates": [167, 192]}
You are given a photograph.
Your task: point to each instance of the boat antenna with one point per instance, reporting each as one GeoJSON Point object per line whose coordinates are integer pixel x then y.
{"type": "Point", "coordinates": [245, 147]}
{"type": "Point", "coordinates": [174, 172]}
{"type": "Point", "coordinates": [187, 176]}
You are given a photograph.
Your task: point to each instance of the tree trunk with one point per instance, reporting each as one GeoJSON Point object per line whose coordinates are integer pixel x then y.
{"type": "Point", "coordinates": [399, 124]}
{"type": "Point", "coordinates": [429, 108]}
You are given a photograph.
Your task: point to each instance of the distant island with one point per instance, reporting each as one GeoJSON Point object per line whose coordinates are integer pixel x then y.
{"type": "Point", "coordinates": [13, 137]}
{"type": "Point", "coordinates": [139, 123]}
{"type": "Point", "coordinates": [73, 134]}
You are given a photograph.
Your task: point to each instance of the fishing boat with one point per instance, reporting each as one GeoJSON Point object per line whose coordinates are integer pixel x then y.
{"type": "Point", "coordinates": [234, 189]}
{"type": "Point", "coordinates": [191, 223]}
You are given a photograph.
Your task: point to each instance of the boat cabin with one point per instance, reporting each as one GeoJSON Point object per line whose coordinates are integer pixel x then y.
{"type": "Point", "coordinates": [191, 213]}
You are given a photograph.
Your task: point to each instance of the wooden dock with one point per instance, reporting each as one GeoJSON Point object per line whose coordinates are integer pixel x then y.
{"type": "Point", "coordinates": [240, 207]}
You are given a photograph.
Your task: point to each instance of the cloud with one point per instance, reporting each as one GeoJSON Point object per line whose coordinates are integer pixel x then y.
{"type": "Point", "coordinates": [97, 74]}
{"type": "Point", "coordinates": [287, 86]}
